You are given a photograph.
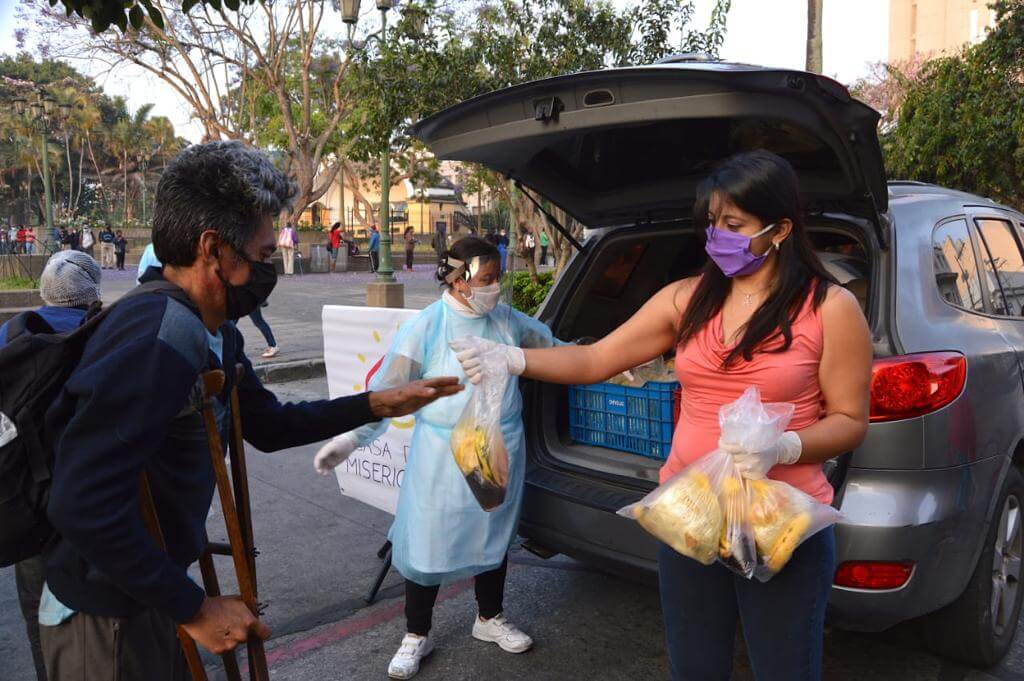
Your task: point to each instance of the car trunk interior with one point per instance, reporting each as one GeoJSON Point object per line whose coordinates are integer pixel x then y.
{"type": "Point", "coordinates": [621, 272]}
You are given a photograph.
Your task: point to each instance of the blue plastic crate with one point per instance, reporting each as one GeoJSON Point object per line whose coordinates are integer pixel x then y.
{"type": "Point", "coordinates": [638, 420]}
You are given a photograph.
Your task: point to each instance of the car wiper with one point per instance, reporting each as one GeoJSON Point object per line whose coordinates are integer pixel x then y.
{"type": "Point", "coordinates": [551, 218]}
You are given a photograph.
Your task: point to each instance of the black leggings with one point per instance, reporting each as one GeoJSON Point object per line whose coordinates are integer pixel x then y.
{"type": "Point", "coordinates": [419, 600]}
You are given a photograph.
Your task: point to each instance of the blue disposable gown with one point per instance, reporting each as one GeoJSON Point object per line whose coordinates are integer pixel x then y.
{"type": "Point", "coordinates": [440, 533]}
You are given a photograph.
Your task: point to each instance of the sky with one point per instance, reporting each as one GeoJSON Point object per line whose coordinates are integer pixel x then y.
{"type": "Point", "coordinates": [768, 32]}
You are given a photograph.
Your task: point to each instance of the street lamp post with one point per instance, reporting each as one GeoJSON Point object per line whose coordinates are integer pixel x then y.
{"type": "Point", "coordinates": [385, 291]}
{"type": "Point", "coordinates": [386, 270]}
{"type": "Point", "coordinates": [40, 115]}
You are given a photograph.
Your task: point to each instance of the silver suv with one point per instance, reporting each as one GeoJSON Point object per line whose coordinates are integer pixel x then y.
{"type": "Point", "coordinates": [932, 500]}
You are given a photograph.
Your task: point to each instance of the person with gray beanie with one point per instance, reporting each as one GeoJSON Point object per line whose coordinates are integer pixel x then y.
{"type": "Point", "coordinates": [69, 285]}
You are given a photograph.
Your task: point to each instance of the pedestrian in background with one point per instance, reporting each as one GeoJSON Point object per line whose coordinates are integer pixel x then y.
{"type": "Point", "coordinates": [5, 247]}
{"type": "Point", "coordinates": [120, 249]}
{"type": "Point", "coordinates": [64, 239]}
{"type": "Point", "coordinates": [30, 240]}
{"type": "Point", "coordinates": [69, 284]}
{"type": "Point", "coordinates": [256, 317]}
{"type": "Point", "coordinates": [107, 237]}
{"type": "Point", "coordinates": [334, 243]}
{"type": "Point", "coordinates": [286, 240]}
{"type": "Point", "coordinates": [88, 241]}
{"type": "Point", "coordinates": [146, 260]}
{"type": "Point", "coordinates": [544, 243]}
{"type": "Point", "coordinates": [410, 247]}
{"type": "Point", "coordinates": [374, 248]}
{"type": "Point", "coordinates": [19, 237]}
{"type": "Point", "coordinates": [529, 246]}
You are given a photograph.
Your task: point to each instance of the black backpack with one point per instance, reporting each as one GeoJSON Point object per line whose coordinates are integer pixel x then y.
{"type": "Point", "coordinates": [34, 366]}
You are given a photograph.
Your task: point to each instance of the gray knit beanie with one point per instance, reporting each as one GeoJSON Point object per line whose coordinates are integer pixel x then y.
{"type": "Point", "coordinates": [70, 279]}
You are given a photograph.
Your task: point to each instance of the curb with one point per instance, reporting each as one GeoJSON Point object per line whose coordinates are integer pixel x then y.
{"type": "Point", "coordinates": [298, 370]}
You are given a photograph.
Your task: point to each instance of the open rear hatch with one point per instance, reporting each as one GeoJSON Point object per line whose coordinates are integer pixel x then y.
{"type": "Point", "coordinates": [622, 146]}
{"type": "Point", "coordinates": [624, 149]}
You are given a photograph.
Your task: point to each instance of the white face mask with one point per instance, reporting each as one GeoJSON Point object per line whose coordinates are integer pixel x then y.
{"type": "Point", "coordinates": [483, 299]}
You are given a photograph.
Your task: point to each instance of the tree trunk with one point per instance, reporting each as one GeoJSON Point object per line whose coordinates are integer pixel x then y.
{"type": "Point", "coordinates": [814, 59]}
{"type": "Point", "coordinates": [71, 174]}
{"type": "Point", "coordinates": [108, 207]}
{"type": "Point", "coordinates": [124, 211]}
{"type": "Point", "coordinates": [81, 161]}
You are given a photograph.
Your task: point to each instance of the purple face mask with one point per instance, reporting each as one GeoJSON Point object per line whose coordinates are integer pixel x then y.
{"type": "Point", "coordinates": [731, 251]}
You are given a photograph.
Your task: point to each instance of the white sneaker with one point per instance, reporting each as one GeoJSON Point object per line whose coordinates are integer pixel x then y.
{"type": "Point", "coordinates": [501, 631]}
{"type": "Point", "coordinates": [271, 352]}
{"type": "Point", "coordinates": [406, 661]}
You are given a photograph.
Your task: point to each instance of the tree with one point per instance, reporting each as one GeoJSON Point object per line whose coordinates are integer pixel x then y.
{"type": "Point", "coordinates": [885, 87]}
{"type": "Point", "coordinates": [814, 58]}
{"type": "Point", "coordinates": [511, 42]}
{"type": "Point", "coordinates": [236, 70]}
{"type": "Point", "coordinates": [78, 187]}
{"type": "Point", "coordinates": [961, 123]}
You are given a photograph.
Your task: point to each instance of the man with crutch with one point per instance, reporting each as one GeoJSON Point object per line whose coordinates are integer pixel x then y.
{"type": "Point", "coordinates": [133, 408]}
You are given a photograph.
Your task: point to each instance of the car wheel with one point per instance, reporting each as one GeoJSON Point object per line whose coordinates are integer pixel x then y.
{"type": "Point", "coordinates": [978, 627]}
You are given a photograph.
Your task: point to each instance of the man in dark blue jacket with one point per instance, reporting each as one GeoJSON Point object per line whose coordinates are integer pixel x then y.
{"type": "Point", "coordinates": [112, 596]}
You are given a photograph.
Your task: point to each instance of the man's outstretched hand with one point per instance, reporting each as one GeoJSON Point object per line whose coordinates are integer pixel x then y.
{"type": "Point", "coordinates": [412, 397]}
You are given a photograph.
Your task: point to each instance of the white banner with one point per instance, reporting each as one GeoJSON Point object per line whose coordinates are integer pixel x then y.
{"type": "Point", "coordinates": [355, 342]}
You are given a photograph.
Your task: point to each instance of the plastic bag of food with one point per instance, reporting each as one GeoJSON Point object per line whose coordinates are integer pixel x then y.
{"type": "Point", "coordinates": [782, 518]}
{"type": "Point", "coordinates": [703, 512]}
{"type": "Point", "coordinates": [477, 443]}
{"type": "Point", "coordinates": [685, 512]}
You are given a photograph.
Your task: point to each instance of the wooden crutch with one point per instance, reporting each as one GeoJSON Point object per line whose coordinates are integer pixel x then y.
{"type": "Point", "coordinates": [188, 646]}
{"type": "Point", "coordinates": [235, 507]}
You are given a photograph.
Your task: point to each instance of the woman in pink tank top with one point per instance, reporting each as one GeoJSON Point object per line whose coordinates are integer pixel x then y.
{"type": "Point", "coordinates": [763, 312]}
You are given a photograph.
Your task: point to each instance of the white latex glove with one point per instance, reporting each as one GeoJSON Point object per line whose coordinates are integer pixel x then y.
{"type": "Point", "coordinates": [479, 355]}
{"type": "Point", "coordinates": [755, 465]}
{"type": "Point", "coordinates": [334, 453]}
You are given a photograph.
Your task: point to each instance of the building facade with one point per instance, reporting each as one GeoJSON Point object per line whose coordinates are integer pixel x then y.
{"type": "Point", "coordinates": [932, 27]}
{"type": "Point", "coordinates": [425, 209]}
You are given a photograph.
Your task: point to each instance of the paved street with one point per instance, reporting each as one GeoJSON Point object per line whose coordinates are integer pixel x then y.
{"type": "Point", "coordinates": [318, 560]}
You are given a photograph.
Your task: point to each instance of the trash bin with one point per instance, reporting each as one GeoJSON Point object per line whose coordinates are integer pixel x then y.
{"type": "Point", "coordinates": [318, 258]}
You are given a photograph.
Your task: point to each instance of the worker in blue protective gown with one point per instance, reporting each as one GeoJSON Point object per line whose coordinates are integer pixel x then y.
{"type": "Point", "coordinates": [441, 533]}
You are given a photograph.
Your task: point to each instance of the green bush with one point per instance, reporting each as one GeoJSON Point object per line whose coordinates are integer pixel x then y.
{"type": "Point", "coordinates": [528, 295]}
{"type": "Point", "coordinates": [9, 283]}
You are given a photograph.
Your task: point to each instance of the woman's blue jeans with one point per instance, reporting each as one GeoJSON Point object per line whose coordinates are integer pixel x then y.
{"type": "Point", "coordinates": [257, 318]}
{"type": "Point", "coordinates": [783, 619]}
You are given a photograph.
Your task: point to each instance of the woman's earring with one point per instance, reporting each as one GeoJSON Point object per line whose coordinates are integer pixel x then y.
{"type": "Point", "coordinates": [778, 245]}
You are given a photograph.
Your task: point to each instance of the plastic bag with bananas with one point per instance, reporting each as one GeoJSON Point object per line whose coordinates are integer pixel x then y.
{"type": "Point", "coordinates": [685, 512]}
{"type": "Point", "coordinates": [782, 518]}
{"type": "Point", "coordinates": [483, 460]}
{"type": "Point", "coordinates": [736, 549]}
{"type": "Point", "coordinates": [477, 444]}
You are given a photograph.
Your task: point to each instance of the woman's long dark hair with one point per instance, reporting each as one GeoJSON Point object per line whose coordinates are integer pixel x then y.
{"type": "Point", "coordinates": [765, 185]}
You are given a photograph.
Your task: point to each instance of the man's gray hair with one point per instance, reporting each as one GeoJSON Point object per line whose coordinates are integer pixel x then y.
{"type": "Point", "coordinates": [70, 279]}
{"type": "Point", "coordinates": [228, 187]}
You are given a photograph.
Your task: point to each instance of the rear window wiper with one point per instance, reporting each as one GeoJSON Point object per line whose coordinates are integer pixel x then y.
{"type": "Point", "coordinates": [551, 218]}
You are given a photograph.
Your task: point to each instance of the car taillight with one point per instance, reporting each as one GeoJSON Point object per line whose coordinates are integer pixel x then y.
{"type": "Point", "coordinates": [912, 385]}
{"type": "Point", "coordinates": [874, 575]}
